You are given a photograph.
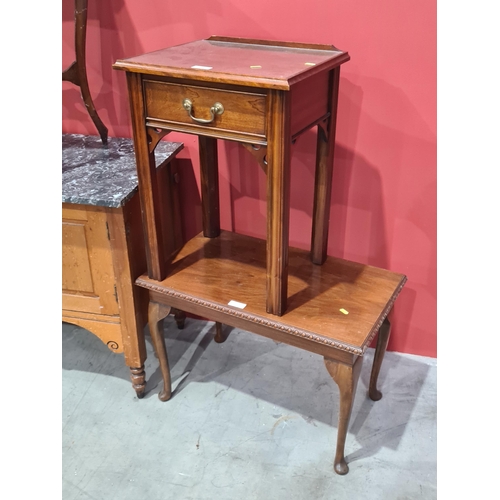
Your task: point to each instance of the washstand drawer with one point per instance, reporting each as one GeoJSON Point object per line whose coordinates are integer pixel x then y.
{"type": "Point", "coordinates": [243, 112]}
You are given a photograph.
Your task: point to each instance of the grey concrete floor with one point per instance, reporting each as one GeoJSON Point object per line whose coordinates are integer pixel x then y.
{"type": "Point", "coordinates": [249, 419]}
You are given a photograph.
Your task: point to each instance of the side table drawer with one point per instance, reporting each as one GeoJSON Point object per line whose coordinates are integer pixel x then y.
{"type": "Point", "coordinates": [244, 112]}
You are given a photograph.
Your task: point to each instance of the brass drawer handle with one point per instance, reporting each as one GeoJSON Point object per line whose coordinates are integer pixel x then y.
{"type": "Point", "coordinates": [216, 109]}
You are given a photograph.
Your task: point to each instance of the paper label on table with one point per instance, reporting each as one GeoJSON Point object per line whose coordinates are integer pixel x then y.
{"type": "Point", "coordinates": [343, 311]}
{"type": "Point", "coordinates": [201, 67]}
{"type": "Point", "coordinates": [234, 303]}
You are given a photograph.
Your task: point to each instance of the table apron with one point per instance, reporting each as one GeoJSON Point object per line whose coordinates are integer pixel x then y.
{"type": "Point", "coordinates": [236, 321]}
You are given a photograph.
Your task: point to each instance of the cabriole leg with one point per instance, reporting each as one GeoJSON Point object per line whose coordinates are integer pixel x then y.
{"type": "Point", "coordinates": [156, 313]}
{"type": "Point", "coordinates": [346, 377]}
{"type": "Point", "coordinates": [219, 335]}
{"type": "Point", "coordinates": [382, 341]}
{"type": "Point", "coordinates": [180, 318]}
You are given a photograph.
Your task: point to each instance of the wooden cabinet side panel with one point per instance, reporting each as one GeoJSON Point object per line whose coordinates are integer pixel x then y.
{"type": "Point", "coordinates": [87, 266]}
{"type": "Point", "coordinates": [129, 260]}
{"type": "Point", "coordinates": [129, 257]}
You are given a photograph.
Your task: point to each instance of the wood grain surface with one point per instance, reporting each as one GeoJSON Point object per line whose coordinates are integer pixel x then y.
{"type": "Point", "coordinates": [208, 273]}
{"type": "Point", "coordinates": [259, 63]}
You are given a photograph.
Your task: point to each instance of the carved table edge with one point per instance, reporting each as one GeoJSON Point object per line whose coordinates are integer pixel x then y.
{"type": "Point", "coordinates": [298, 332]}
{"type": "Point", "coordinates": [384, 314]}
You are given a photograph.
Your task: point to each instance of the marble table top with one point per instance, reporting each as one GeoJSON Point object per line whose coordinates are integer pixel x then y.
{"type": "Point", "coordinates": [94, 174]}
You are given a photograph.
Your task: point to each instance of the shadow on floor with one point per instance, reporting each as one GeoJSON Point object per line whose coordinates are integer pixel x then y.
{"type": "Point", "coordinates": [289, 378]}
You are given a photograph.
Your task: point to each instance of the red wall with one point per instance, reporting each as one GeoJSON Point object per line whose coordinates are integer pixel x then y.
{"type": "Point", "coordinates": [384, 185]}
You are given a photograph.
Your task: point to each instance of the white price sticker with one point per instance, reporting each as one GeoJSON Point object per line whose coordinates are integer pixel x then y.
{"type": "Point", "coordinates": [234, 303]}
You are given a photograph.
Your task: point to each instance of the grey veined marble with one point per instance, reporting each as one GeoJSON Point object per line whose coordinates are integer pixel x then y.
{"type": "Point", "coordinates": [95, 174]}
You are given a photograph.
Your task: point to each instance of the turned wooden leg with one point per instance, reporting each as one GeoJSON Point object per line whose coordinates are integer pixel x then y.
{"type": "Point", "coordinates": [382, 341]}
{"type": "Point", "coordinates": [346, 377]}
{"type": "Point", "coordinates": [219, 336]}
{"type": "Point", "coordinates": [156, 313]}
{"type": "Point", "coordinates": [180, 318]}
{"type": "Point", "coordinates": [138, 378]}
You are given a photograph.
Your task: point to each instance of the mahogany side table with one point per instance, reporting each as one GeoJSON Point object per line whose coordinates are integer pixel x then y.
{"type": "Point", "coordinates": [263, 94]}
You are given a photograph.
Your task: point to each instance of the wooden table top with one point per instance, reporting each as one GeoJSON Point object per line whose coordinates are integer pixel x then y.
{"type": "Point", "coordinates": [262, 63]}
{"type": "Point", "coordinates": [213, 272]}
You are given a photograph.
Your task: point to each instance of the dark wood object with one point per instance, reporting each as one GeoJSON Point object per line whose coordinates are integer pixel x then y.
{"type": "Point", "coordinates": [157, 312]}
{"type": "Point", "coordinates": [346, 376]}
{"type": "Point", "coordinates": [382, 341]}
{"type": "Point", "coordinates": [262, 94]}
{"type": "Point", "coordinates": [76, 73]}
{"type": "Point", "coordinates": [335, 310]}
{"type": "Point", "coordinates": [103, 249]}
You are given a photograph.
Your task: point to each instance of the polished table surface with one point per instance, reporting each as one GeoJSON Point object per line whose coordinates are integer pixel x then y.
{"type": "Point", "coordinates": [238, 61]}
{"type": "Point", "coordinates": [340, 304]}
